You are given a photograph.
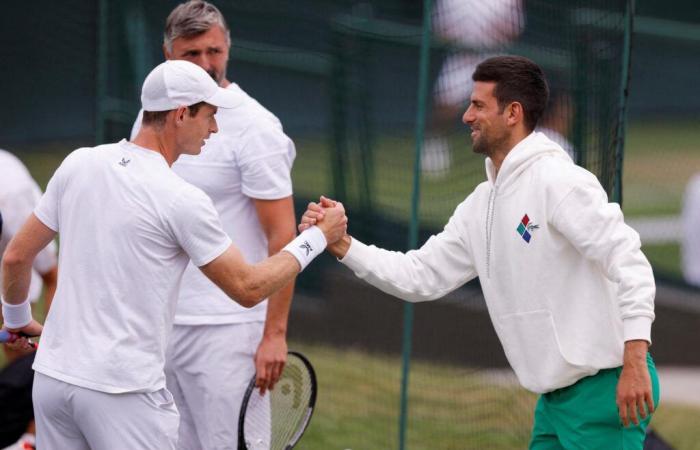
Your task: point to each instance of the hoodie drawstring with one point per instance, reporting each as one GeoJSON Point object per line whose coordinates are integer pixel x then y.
{"type": "Point", "coordinates": [490, 213]}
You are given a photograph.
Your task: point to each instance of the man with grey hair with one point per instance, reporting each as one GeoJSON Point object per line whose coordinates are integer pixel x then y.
{"type": "Point", "coordinates": [216, 345]}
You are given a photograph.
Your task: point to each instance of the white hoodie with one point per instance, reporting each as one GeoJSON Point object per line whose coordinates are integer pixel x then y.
{"type": "Point", "coordinates": [565, 290]}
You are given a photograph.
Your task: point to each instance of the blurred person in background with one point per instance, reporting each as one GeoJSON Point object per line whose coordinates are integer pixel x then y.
{"type": "Point", "coordinates": [474, 30]}
{"type": "Point", "coordinates": [216, 345]}
{"type": "Point", "coordinates": [557, 119]}
{"type": "Point", "coordinates": [19, 195]}
{"type": "Point", "coordinates": [690, 249]}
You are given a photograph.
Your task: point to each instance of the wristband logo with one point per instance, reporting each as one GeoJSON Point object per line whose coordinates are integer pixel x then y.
{"type": "Point", "coordinates": [306, 246]}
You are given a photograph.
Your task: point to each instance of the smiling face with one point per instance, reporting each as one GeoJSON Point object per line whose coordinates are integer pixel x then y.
{"type": "Point", "coordinates": [208, 50]}
{"type": "Point", "coordinates": [194, 129]}
{"type": "Point", "coordinates": [489, 123]}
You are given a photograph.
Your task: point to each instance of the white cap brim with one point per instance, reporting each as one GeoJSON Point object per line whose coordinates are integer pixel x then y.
{"type": "Point", "coordinates": [223, 98]}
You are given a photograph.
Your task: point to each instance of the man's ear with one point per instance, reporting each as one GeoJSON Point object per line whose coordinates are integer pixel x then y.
{"type": "Point", "coordinates": [515, 113]}
{"type": "Point", "coordinates": [166, 53]}
{"type": "Point", "coordinates": [180, 114]}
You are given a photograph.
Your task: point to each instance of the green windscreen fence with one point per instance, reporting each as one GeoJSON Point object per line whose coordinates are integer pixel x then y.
{"type": "Point", "coordinates": [344, 78]}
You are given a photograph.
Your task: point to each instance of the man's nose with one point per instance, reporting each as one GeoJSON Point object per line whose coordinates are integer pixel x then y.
{"type": "Point", "coordinates": [468, 117]}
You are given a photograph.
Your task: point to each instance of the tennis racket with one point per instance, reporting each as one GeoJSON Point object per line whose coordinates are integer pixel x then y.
{"type": "Point", "coordinates": [9, 337]}
{"type": "Point", "coordinates": [277, 420]}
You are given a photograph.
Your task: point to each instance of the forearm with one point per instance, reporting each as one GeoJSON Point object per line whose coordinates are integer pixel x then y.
{"type": "Point", "coordinates": [248, 284]}
{"type": "Point", "coordinates": [16, 277]}
{"type": "Point", "coordinates": [278, 308]}
{"type": "Point", "coordinates": [277, 221]}
{"type": "Point", "coordinates": [271, 353]}
{"type": "Point", "coordinates": [264, 279]}
{"type": "Point", "coordinates": [16, 274]}
{"type": "Point", "coordinates": [280, 302]}
{"type": "Point", "coordinates": [428, 273]}
{"type": "Point", "coordinates": [50, 280]}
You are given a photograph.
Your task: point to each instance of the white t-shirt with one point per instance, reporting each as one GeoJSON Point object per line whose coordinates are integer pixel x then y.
{"type": "Point", "coordinates": [128, 226]}
{"type": "Point", "coordinates": [19, 194]}
{"type": "Point", "coordinates": [691, 232]}
{"type": "Point", "coordinates": [249, 158]}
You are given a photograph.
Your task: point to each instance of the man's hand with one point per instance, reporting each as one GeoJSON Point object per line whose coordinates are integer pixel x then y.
{"type": "Point", "coordinates": [315, 213]}
{"type": "Point", "coordinates": [270, 360]}
{"type": "Point", "coordinates": [333, 221]}
{"type": "Point", "coordinates": [22, 342]}
{"type": "Point", "coordinates": [634, 386]}
{"type": "Point", "coordinates": [33, 328]}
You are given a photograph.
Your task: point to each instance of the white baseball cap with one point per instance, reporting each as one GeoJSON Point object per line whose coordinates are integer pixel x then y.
{"type": "Point", "coordinates": [176, 83]}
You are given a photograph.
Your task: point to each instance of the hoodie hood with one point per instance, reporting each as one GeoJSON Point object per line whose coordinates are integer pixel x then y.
{"type": "Point", "coordinates": [535, 146]}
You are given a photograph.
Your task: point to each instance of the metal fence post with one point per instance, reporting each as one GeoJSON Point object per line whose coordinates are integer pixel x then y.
{"type": "Point", "coordinates": [415, 203]}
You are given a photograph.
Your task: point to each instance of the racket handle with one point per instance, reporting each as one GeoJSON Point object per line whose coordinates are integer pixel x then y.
{"type": "Point", "coordinates": [6, 336]}
{"type": "Point", "coordinates": [9, 337]}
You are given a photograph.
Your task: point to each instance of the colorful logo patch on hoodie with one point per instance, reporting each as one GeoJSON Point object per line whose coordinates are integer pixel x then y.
{"type": "Point", "coordinates": [525, 228]}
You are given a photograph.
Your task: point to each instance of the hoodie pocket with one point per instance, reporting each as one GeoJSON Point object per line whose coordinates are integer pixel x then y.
{"type": "Point", "coordinates": [532, 347]}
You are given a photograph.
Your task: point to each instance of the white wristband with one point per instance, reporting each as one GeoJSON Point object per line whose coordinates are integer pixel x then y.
{"type": "Point", "coordinates": [16, 316]}
{"type": "Point", "coordinates": [307, 246]}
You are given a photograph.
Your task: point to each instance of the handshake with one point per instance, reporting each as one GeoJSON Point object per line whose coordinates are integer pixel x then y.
{"type": "Point", "coordinates": [329, 216]}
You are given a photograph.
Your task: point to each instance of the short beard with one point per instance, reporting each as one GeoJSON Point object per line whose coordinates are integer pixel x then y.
{"type": "Point", "coordinates": [481, 147]}
{"type": "Point", "coordinates": [489, 147]}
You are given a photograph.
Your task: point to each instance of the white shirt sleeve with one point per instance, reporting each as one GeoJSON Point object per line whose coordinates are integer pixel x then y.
{"type": "Point", "coordinates": [441, 265]}
{"type": "Point", "coordinates": [196, 226]}
{"type": "Point", "coordinates": [596, 228]}
{"type": "Point", "coordinates": [265, 162]}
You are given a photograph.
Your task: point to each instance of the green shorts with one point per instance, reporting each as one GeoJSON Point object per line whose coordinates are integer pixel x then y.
{"type": "Point", "coordinates": [584, 415]}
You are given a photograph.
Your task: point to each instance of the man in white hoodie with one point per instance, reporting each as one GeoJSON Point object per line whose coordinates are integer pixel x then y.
{"type": "Point", "coordinates": [569, 291]}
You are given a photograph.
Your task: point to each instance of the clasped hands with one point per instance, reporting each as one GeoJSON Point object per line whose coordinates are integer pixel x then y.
{"type": "Point", "coordinates": [325, 214]}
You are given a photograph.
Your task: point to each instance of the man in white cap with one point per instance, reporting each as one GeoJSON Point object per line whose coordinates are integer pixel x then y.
{"type": "Point", "coordinates": [129, 226]}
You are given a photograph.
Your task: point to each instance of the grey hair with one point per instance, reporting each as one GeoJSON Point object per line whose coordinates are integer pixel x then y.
{"type": "Point", "coordinates": [191, 19]}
